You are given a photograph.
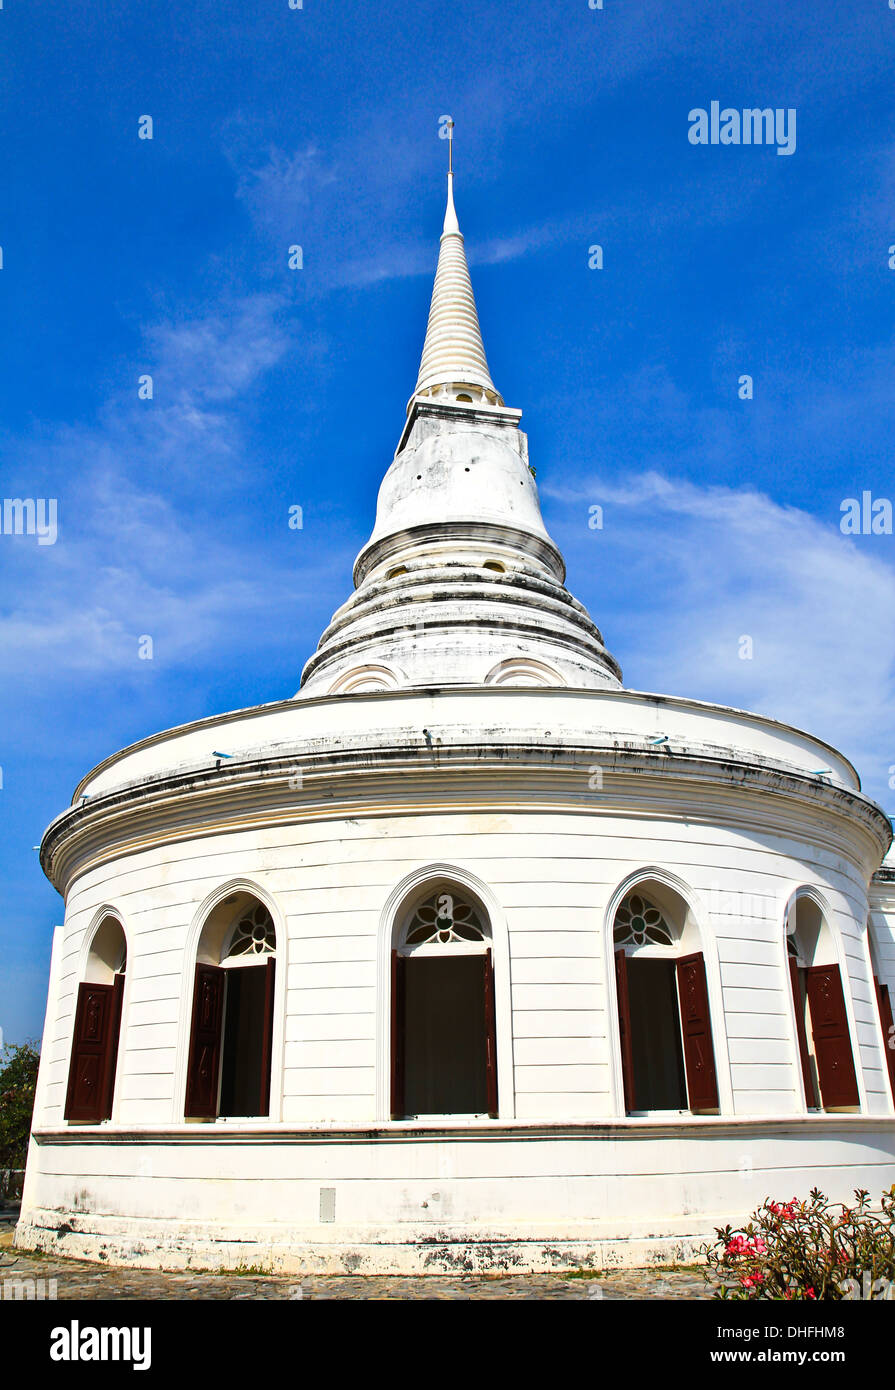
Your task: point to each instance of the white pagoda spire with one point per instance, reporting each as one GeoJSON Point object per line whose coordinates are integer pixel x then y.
{"type": "Point", "coordinates": [460, 583]}
{"type": "Point", "coordinates": [453, 353]}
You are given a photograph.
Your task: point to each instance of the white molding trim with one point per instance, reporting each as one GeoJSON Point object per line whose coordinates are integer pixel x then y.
{"type": "Point", "coordinates": [356, 679]}
{"type": "Point", "coordinates": [882, 1041]}
{"type": "Point", "coordinates": [57, 951]}
{"type": "Point", "coordinates": [391, 917]}
{"type": "Point", "coordinates": [505, 671]}
{"type": "Point", "coordinates": [99, 916]}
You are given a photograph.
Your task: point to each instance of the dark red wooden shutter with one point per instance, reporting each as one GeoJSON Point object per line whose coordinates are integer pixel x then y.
{"type": "Point", "coordinates": [112, 1049]}
{"type": "Point", "coordinates": [397, 1021]}
{"type": "Point", "coordinates": [885, 1018]}
{"type": "Point", "coordinates": [270, 977]}
{"type": "Point", "coordinates": [696, 1026]}
{"type": "Point", "coordinates": [832, 1042]}
{"type": "Point", "coordinates": [801, 1035]}
{"type": "Point", "coordinates": [85, 1100]}
{"type": "Point", "coordinates": [624, 1029]}
{"type": "Point", "coordinates": [490, 1037]}
{"type": "Point", "coordinates": [205, 1043]}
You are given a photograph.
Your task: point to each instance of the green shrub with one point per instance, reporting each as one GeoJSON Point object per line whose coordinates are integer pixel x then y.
{"type": "Point", "coordinates": [807, 1250]}
{"type": "Point", "coordinates": [18, 1078]}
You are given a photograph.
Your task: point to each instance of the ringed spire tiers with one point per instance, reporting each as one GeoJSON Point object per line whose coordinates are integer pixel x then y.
{"type": "Point", "coordinates": [453, 359]}
{"type": "Point", "coordinates": [460, 583]}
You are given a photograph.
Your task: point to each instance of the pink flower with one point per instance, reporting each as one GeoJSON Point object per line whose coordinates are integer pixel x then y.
{"type": "Point", "coordinates": [783, 1211]}
{"type": "Point", "coordinates": [809, 1293]}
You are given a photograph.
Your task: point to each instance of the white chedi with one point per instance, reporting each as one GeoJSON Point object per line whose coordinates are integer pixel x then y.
{"type": "Point", "coordinates": [466, 955]}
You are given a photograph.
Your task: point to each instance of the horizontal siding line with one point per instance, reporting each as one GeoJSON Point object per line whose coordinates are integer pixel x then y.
{"type": "Point", "coordinates": [759, 991]}
{"type": "Point", "coordinates": [556, 1037]}
{"type": "Point", "coordinates": [295, 1071]}
{"type": "Point", "coordinates": [313, 1095]}
{"type": "Point", "coordinates": [764, 1066]}
{"type": "Point", "coordinates": [313, 989]}
{"type": "Point", "coordinates": [540, 1009]}
{"type": "Point", "coordinates": [464, 1180]}
{"type": "Point", "coordinates": [329, 1014]}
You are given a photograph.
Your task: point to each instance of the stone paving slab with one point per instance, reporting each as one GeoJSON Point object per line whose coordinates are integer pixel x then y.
{"type": "Point", "coordinates": [81, 1280]}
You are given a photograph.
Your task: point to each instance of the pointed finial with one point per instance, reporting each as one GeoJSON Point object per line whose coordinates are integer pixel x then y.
{"type": "Point", "coordinates": [453, 358]}
{"type": "Point", "coordinates": [450, 217]}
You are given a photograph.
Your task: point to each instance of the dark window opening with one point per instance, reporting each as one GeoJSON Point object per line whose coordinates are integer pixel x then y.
{"type": "Point", "coordinates": [444, 1036]}
{"type": "Point", "coordinates": [659, 1081]}
{"type": "Point", "coordinates": [241, 1065]}
{"type": "Point", "coordinates": [231, 1042]}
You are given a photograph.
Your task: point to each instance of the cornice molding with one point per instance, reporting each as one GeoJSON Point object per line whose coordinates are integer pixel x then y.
{"type": "Point", "coordinates": [377, 778]}
{"type": "Point", "coordinates": [482, 531]}
{"type": "Point", "coordinates": [408, 1131]}
{"type": "Point", "coordinates": [296, 706]}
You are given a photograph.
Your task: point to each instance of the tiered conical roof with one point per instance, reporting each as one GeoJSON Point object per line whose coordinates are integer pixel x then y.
{"type": "Point", "coordinates": [453, 353]}
{"type": "Point", "coordinates": [460, 583]}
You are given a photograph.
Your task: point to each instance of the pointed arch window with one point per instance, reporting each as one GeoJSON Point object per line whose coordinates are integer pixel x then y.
{"type": "Point", "coordinates": [665, 1029]}
{"type": "Point", "coordinates": [823, 1035]}
{"type": "Point", "coordinates": [231, 1036]}
{"type": "Point", "coordinates": [884, 1006]}
{"type": "Point", "coordinates": [95, 1044]}
{"type": "Point", "coordinates": [444, 1049]}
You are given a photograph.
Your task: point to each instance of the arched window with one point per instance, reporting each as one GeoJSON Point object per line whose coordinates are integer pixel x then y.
{"type": "Point", "coordinates": [822, 1030]}
{"type": "Point", "coordinates": [523, 670]}
{"type": "Point", "coordinates": [94, 1053]}
{"type": "Point", "coordinates": [444, 1052]}
{"type": "Point", "coordinates": [884, 1005]}
{"type": "Point", "coordinates": [665, 1027]}
{"type": "Point", "coordinates": [228, 1073]}
{"type": "Point", "coordinates": [361, 680]}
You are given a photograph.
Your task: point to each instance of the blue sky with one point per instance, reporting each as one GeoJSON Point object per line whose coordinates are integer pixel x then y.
{"type": "Point", "coordinates": [274, 387]}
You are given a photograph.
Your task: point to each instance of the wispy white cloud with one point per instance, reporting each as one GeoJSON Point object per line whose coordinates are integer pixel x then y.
{"type": "Point", "coordinates": [691, 570]}
{"type": "Point", "coordinates": [138, 551]}
{"type": "Point", "coordinates": [218, 355]}
{"type": "Point", "coordinates": [280, 188]}
{"type": "Point", "coordinates": [347, 202]}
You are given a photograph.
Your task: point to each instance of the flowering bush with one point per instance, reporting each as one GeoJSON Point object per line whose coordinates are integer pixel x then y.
{"type": "Point", "coordinates": [807, 1250]}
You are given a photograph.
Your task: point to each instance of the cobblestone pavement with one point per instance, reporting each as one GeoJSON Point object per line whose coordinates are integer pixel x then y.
{"type": "Point", "coordinates": [80, 1280]}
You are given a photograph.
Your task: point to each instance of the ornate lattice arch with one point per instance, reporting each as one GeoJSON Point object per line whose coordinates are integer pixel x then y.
{"type": "Point", "coordinates": [638, 922]}
{"type": "Point", "coordinates": [253, 934]}
{"type": "Point", "coordinates": [442, 920]}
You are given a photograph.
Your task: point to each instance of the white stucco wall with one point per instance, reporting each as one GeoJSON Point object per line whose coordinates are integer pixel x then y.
{"type": "Point", "coordinates": [516, 818]}
{"type": "Point", "coordinates": [552, 877]}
